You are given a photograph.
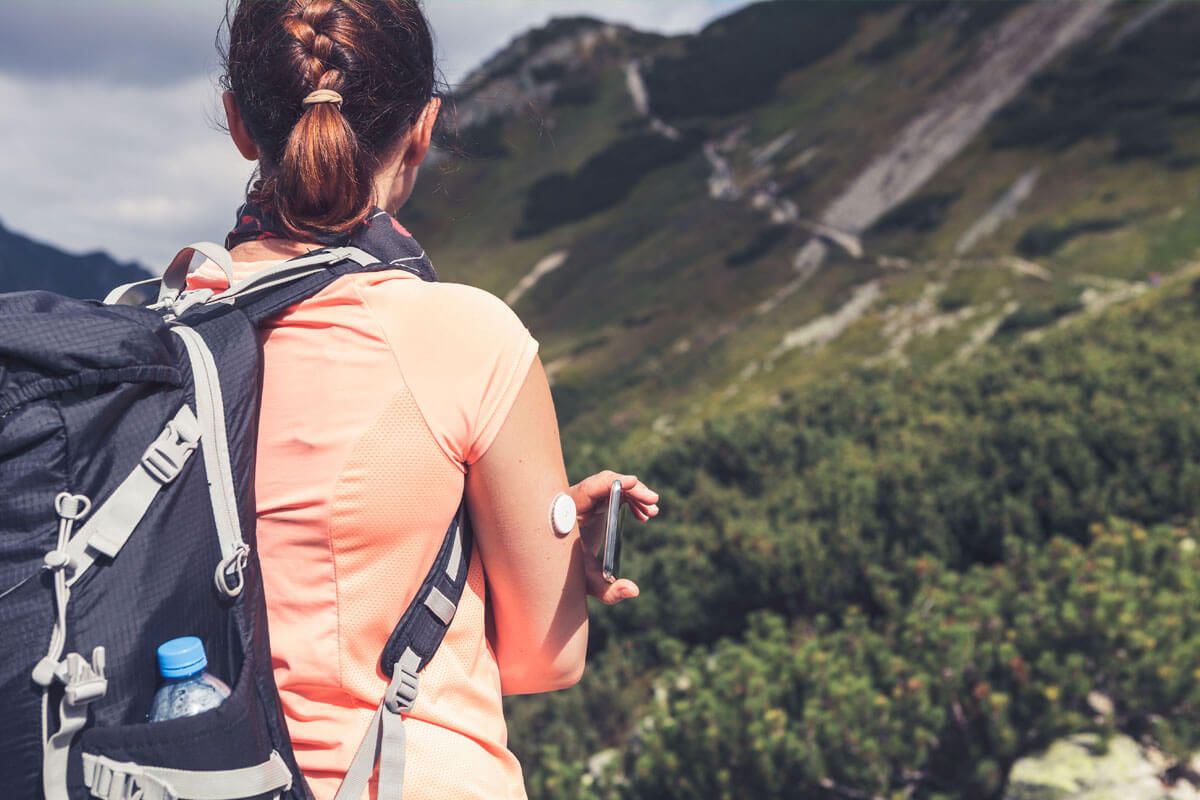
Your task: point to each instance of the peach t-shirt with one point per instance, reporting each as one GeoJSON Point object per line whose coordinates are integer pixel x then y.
{"type": "Point", "coordinates": [378, 394]}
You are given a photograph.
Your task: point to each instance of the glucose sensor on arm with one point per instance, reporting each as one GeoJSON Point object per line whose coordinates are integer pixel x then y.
{"type": "Point", "coordinates": [562, 514]}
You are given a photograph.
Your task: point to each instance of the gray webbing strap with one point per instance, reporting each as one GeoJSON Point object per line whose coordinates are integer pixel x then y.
{"type": "Point", "coordinates": [456, 552]}
{"type": "Point", "coordinates": [110, 527]}
{"type": "Point", "coordinates": [130, 293]}
{"type": "Point", "coordinates": [384, 740]}
{"type": "Point", "coordinates": [123, 780]}
{"type": "Point", "coordinates": [174, 279]}
{"type": "Point", "coordinates": [210, 412]}
{"type": "Point", "coordinates": [84, 682]}
{"type": "Point", "coordinates": [294, 269]}
{"type": "Point", "coordinates": [391, 757]}
{"type": "Point", "coordinates": [358, 776]}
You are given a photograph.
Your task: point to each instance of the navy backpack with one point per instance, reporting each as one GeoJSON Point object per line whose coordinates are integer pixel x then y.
{"type": "Point", "coordinates": [127, 518]}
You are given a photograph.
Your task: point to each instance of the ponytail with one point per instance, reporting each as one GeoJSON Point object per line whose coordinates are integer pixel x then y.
{"type": "Point", "coordinates": [323, 183]}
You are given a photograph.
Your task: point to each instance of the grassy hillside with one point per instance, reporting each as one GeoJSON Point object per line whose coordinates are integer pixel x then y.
{"type": "Point", "coordinates": [898, 582]}
{"type": "Point", "coordinates": [653, 320]}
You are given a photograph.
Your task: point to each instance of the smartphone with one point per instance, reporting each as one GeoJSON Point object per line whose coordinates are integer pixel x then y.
{"type": "Point", "coordinates": [610, 554]}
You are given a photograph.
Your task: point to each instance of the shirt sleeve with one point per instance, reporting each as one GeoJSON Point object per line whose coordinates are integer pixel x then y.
{"type": "Point", "coordinates": [464, 355]}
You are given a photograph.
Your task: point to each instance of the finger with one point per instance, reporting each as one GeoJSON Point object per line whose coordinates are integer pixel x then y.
{"type": "Point", "coordinates": [601, 589]}
{"type": "Point", "coordinates": [595, 488]}
{"type": "Point", "coordinates": [642, 512]}
{"type": "Point", "coordinates": [642, 493]}
{"type": "Point", "coordinates": [645, 514]}
{"type": "Point", "coordinates": [603, 480]}
{"type": "Point", "coordinates": [615, 592]}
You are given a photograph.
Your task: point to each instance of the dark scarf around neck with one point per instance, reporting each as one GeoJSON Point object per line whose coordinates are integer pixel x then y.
{"type": "Point", "coordinates": [380, 234]}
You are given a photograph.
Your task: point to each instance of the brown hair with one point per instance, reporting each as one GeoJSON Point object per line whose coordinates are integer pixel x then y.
{"type": "Point", "coordinates": [317, 162]}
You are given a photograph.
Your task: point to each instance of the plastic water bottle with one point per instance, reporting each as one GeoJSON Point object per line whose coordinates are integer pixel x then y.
{"type": "Point", "coordinates": [187, 689]}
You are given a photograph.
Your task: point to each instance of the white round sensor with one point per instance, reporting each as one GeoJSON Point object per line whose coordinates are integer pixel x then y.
{"type": "Point", "coordinates": [562, 514]}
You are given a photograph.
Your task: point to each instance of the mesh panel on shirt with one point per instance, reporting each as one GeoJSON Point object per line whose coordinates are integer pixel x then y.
{"type": "Point", "coordinates": [394, 498]}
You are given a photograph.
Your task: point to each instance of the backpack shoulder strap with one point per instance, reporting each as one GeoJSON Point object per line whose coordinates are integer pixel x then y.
{"type": "Point", "coordinates": [271, 291]}
{"type": "Point", "coordinates": [413, 643]}
{"type": "Point", "coordinates": [424, 623]}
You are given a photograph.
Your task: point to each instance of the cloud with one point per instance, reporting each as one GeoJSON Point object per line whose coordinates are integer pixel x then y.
{"type": "Point", "coordinates": [109, 133]}
{"type": "Point", "coordinates": [156, 42]}
{"type": "Point", "coordinates": [136, 42]}
{"type": "Point", "coordinates": [136, 171]}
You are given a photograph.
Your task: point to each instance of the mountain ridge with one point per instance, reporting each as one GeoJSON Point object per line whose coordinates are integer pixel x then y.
{"type": "Point", "coordinates": [675, 292]}
{"type": "Point", "coordinates": [28, 264]}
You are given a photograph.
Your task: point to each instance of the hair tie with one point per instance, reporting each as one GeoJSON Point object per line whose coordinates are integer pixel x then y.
{"type": "Point", "coordinates": [323, 96]}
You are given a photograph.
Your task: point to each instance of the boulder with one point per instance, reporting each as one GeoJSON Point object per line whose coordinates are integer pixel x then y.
{"type": "Point", "coordinates": [1082, 767]}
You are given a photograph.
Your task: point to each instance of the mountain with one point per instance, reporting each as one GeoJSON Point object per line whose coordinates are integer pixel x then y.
{"type": "Point", "coordinates": [894, 303]}
{"type": "Point", "coordinates": [26, 264]}
{"type": "Point", "coordinates": [701, 224]}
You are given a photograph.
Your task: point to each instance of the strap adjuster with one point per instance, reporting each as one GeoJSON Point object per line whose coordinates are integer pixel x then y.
{"type": "Point", "coordinates": [166, 455]}
{"type": "Point", "coordinates": [83, 681]}
{"type": "Point", "coordinates": [401, 693]}
{"type": "Point", "coordinates": [189, 299]}
{"type": "Point", "coordinates": [106, 778]}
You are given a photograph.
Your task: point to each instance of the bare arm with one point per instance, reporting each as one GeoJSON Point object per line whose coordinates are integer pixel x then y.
{"type": "Point", "coordinates": [538, 581]}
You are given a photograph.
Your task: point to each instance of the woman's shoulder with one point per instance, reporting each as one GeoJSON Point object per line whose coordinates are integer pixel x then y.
{"type": "Point", "coordinates": [456, 310]}
{"type": "Point", "coordinates": [462, 351]}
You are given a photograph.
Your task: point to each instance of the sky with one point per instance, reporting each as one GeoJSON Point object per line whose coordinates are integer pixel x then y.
{"type": "Point", "coordinates": [110, 115]}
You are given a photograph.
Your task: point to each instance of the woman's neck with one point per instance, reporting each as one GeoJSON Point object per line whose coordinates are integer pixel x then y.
{"type": "Point", "coordinates": [271, 249]}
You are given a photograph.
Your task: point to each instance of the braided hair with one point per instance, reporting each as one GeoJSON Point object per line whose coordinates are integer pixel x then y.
{"type": "Point", "coordinates": [318, 160]}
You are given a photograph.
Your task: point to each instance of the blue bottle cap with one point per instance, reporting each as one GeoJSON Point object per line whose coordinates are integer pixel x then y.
{"type": "Point", "coordinates": [181, 657]}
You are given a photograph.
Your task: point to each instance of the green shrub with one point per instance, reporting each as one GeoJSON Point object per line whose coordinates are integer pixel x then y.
{"type": "Point", "coordinates": [575, 92]}
{"type": "Point", "coordinates": [907, 32]}
{"type": "Point", "coordinates": [736, 62]}
{"type": "Point", "coordinates": [1130, 94]}
{"type": "Point", "coordinates": [1143, 135]}
{"type": "Point", "coordinates": [1027, 318]}
{"type": "Point", "coordinates": [1044, 238]}
{"type": "Point", "coordinates": [895, 579]}
{"type": "Point", "coordinates": [936, 692]}
{"type": "Point", "coordinates": [763, 243]}
{"type": "Point", "coordinates": [956, 296]}
{"type": "Point", "coordinates": [604, 180]}
{"type": "Point", "coordinates": [956, 677]}
{"type": "Point", "coordinates": [484, 140]}
{"type": "Point", "coordinates": [923, 213]}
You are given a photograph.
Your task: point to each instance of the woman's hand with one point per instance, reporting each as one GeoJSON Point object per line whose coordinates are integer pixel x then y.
{"type": "Point", "coordinates": [591, 501]}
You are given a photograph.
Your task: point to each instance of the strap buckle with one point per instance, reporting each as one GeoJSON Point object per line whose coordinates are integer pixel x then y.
{"type": "Point", "coordinates": [84, 681]}
{"type": "Point", "coordinates": [166, 455]}
{"type": "Point", "coordinates": [401, 693]}
{"type": "Point", "coordinates": [179, 305]}
{"type": "Point", "coordinates": [107, 779]}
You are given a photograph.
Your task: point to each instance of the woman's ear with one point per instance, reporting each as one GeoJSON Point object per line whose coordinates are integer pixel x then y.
{"type": "Point", "coordinates": [422, 133]}
{"type": "Point", "coordinates": [237, 128]}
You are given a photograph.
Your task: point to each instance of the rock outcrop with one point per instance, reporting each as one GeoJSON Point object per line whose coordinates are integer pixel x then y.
{"type": "Point", "coordinates": [1083, 767]}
